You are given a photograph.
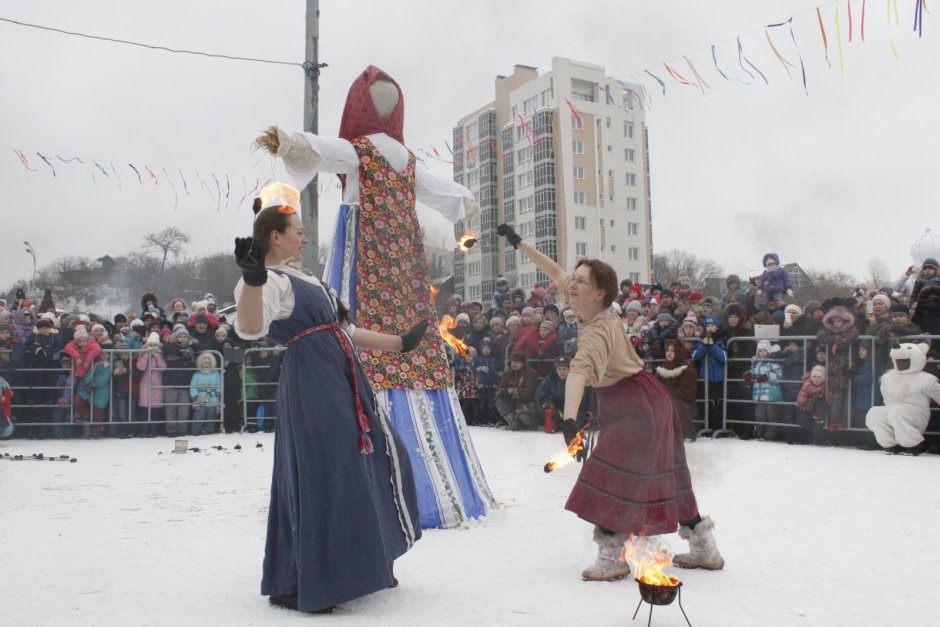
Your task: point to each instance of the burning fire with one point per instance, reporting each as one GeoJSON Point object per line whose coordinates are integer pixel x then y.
{"type": "Point", "coordinates": [447, 323]}
{"type": "Point", "coordinates": [565, 457]}
{"type": "Point", "coordinates": [647, 558]}
{"type": "Point", "coordinates": [468, 240]}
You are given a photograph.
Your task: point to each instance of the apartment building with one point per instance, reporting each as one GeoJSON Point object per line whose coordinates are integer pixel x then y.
{"type": "Point", "coordinates": [563, 158]}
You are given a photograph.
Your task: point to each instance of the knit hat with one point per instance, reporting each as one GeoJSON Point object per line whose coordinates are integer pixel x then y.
{"type": "Point", "coordinates": [569, 313]}
{"type": "Point", "coordinates": [549, 308]}
{"type": "Point", "coordinates": [180, 330]}
{"type": "Point", "coordinates": [209, 298]}
{"type": "Point", "coordinates": [763, 345]}
{"type": "Point", "coordinates": [895, 308]}
{"type": "Point", "coordinates": [464, 317]}
{"type": "Point", "coordinates": [793, 307]}
{"type": "Point", "coordinates": [930, 262]}
{"type": "Point", "coordinates": [770, 257]}
{"type": "Point", "coordinates": [690, 318]}
{"type": "Point", "coordinates": [80, 333]}
{"type": "Point", "coordinates": [528, 311]}
{"type": "Point", "coordinates": [137, 322]}
{"type": "Point", "coordinates": [811, 306]}
{"type": "Point", "coordinates": [547, 325]}
{"type": "Point", "coordinates": [562, 361]}
{"type": "Point", "coordinates": [707, 320]}
{"type": "Point", "coordinates": [818, 370]}
{"type": "Point", "coordinates": [496, 321]}
{"type": "Point", "coordinates": [44, 322]}
{"type": "Point", "coordinates": [882, 298]}
{"type": "Point", "coordinates": [153, 339]}
{"type": "Point", "coordinates": [513, 318]}
{"type": "Point", "coordinates": [201, 318]}
{"type": "Point", "coordinates": [665, 317]}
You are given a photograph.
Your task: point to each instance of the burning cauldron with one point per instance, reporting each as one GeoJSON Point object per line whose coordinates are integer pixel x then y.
{"type": "Point", "coordinates": [659, 595]}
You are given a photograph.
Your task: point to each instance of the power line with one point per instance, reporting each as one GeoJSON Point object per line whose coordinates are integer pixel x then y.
{"type": "Point", "coordinates": [150, 46]}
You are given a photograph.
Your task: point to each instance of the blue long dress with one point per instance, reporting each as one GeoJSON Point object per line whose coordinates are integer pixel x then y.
{"type": "Point", "coordinates": [337, 517]}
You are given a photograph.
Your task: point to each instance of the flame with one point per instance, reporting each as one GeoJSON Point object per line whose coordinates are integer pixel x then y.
{"type": "Point", "coordinates": [565, 457]}
{"type": "Point", "coordinates": [434, 292]}
{"type": "Point", "coordinates": [647, 559]}
{"type": "Point", "coordinates": [468, 240]}
{"type": "Point", "coordinates": [448, 322]}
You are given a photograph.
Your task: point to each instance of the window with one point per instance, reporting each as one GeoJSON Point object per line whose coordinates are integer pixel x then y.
{"type": "Point", "coordinates": [608, 122]}
{"type": "Point", "coordinates": [631, 179]}
{"type": "Point", "coordinates": [473, 268]}
{"type": "Point", "coordinates": [611, 224]}
{"type": "Point", "coordinates": [580, 249]}
{"type": "Point", "coordinates": [579, 198]}
{"type": "Point", "coordinates": [524, 155]}
{"type": "Point", "coordinates": [579, 172]}
{"type": "Point", "coordinates": [527, 279]}
{"type": "Point", "coordinates": [610, 148]}
{"type": "Point", "coordinates": [527, 230]}
{"type": "Point", "coordinates": [631, 204]}
{"type": "Point", "coordinates": [526, 205]}
{"type": "Point", "coordinates": [525, 179]}
{"type": "Point", "coordinates": [633, 228]}
{"type": "Point", "coordinates": [613, 248]}
{"type": "Point", "coordinates": [473, 176]}
{"type": "Point", "coordinates": [577, 146]}
{"type": "Point", "coordinates": [580, 223]}
{"type": "Point", "coordinates": [628, 130]}
{"type": "Point", "coordinates": [635, 277]}
{"type": "Point", "coordinates": [629, 154]}
{"type": "Point", "coordinates": [574, 121]}
{"type": "Point", "coordinates": [602, 221]}
{"type": "Point", "coordinates": [514, 111]}
{"type": "Point", "coordinates": [546, 97]}
{"type": "Point", "coordinates": [633, 253]}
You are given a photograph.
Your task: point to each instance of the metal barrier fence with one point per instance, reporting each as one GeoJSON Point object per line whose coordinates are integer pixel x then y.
{"type": "Point", "coordinates": [48, 401]}
{"type": "Point", "coordinates": [842, 413]}
{"type": "Point", "coordinates": [252, 404]}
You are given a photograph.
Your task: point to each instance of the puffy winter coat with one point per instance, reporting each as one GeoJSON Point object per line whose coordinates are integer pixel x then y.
{"type": "Point", "coordinates": [206, 387]}
{"type": "Point", "coordinates": [775, 281]}
{"type": "Point", "coordinates": [716, 354]}
{"type": "Point", "coordinates": [770, 389]}
{"type": "Point", "coordinates": [151, 364]}
{"type": "Point", "coordinates": [99, 379]}
{"type": "Point", "coordinates": [82, 359]}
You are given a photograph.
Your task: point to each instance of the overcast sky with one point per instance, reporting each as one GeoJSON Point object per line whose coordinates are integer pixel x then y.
{"type": "Point", "coordinates": [828, 180]}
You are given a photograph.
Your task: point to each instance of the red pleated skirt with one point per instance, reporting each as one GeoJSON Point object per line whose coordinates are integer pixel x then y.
{"type": "Point", "coordinates": [636, 479]}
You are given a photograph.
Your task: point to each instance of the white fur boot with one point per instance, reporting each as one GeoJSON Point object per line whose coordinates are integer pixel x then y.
{"type": "Point", "coordinates": [608, 566]}
{"type": "Point", "coordinates": [703, 550]}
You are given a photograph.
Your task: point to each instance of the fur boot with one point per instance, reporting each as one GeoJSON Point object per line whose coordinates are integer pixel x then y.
{"type": "Point", "coordinates": [608, 566]}
{"type": "Point", "coordinates": [703, 550]}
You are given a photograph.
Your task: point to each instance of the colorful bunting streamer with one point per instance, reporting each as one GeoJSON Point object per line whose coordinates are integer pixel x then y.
{"type": "Point", "coordinates": [140, 181]}
{"type": "Point", "coordinates": [101, 167]}
{"type": "Point", "coordinates": [218, 192]}
{"type": "Point", "coordinates": [185, 186]}
{"type": "Point", "coordinates": [862, 29]}
{"type": "Point", "coordinates": [789, 23]}
{"type": "Point", "coordinates": [919, 17]}
{"type": "Point", "coordinates": [117, 176]}
{"type": "Point", "coordinates": [894, 50]}
{"type": "Point", "coordinates": [786, 64]}
{"type": "Point", "coordinates": [715, 61]}
{"type": "Point", "coordinates": [742, 59]}
{"type": "Point", "coordinates": [48, 163]}
{"type": "Point", "coordinates": [839, 43]}
{"type": "Point", "coordinates": [825, 42]}
{"type": "Point", "coordinates": [156, 181]}
{"type": "Point", "coordinates": [25, 162]}
{"type": "Point", "coordinates": [682, 80]}
{"type": "Point", "coordinates": [658, 80]}
{"type": "Point", "coordinates": [849, 9]}
{"type": "Point", "coordinates": [176, 197]}
{"type": "Point", "coordinates": [698, 77]}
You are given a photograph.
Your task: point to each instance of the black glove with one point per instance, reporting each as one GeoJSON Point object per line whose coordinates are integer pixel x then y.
{"type": "Point", "coordinates": [569, 429]}
{"type": "Point", "coordinates": [414, 336]}
{"type": "Point", "coordinates": [510, 234]}
{"type": "Point", "coordinates": [249, 255]}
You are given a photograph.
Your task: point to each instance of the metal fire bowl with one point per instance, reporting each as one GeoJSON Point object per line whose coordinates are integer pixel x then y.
{"type": "Point", "coordinates": [658, 595]}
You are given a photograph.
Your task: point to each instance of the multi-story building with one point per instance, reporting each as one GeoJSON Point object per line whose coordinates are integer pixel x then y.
{"type": "Point", "coordinates": [563, 158]}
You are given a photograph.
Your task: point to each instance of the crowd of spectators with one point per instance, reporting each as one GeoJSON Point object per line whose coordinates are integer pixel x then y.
{"type": "Point", "coordinates": [811, 368]}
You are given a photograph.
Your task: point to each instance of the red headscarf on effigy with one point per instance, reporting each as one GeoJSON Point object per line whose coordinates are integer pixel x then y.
{"type": "Point", "coordinates": [360, 116]}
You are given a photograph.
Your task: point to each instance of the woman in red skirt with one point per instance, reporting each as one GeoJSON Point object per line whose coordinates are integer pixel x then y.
{"type": "Point", "coordinates": [636, 481]}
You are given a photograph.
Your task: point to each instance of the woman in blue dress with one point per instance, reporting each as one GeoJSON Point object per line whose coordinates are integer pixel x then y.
{"type": "Point", "coordinates": [343, 504]}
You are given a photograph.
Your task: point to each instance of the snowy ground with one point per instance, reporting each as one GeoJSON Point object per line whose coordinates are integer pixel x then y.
{"type": "Point", "coordinates": [132, 534]}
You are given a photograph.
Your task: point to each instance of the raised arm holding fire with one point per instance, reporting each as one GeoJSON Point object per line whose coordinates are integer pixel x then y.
{"type": "Point", "coordinates": [636, 481]}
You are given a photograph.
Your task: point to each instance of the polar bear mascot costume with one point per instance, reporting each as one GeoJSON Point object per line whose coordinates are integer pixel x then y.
{"type": "Point", "coordinates": [900, 424]}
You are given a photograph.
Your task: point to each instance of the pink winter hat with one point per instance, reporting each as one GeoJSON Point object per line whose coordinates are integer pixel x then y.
{"type": "Point", "coordinates": [80, 333]}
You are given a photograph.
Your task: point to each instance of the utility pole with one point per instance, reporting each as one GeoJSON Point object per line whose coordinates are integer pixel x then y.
{"type": "Point", "coordinates": [308, 196]}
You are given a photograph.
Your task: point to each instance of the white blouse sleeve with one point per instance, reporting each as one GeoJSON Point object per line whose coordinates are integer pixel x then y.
{"type": "Point", "coordinates": [337, 156]}
{"type": "Point", "coordinates": [449, 198]}
{"type": "Point", "coordinates": [278, 304]}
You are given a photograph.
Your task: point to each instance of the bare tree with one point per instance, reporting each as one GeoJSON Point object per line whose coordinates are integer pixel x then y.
{"type": "Point", "coordinates": [323, 253]}
{"type": "Point", "coordinates": [169, 240]}
{"type": "Point", "coordinates": [680, 265]}
{"type": "Point", "coordinates": [827, 284]}
{"type": "Point", "coordinates": [878, 272]}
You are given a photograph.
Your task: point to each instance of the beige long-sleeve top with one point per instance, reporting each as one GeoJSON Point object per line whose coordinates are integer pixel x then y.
{"type": "Point", "coordinates": [605, 353]}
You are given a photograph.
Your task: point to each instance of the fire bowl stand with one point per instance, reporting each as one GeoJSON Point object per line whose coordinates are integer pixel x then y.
{"type": "Point", "coordinates": [650, 619]}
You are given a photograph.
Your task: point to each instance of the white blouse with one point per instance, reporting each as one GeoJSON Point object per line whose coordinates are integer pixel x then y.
{"type": "Point", "coordinates": [279, 300]}
{"type": "Point", "coordinates": [338, 156]}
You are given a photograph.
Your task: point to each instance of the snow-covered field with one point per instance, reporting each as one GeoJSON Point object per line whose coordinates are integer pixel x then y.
{"type": "Point", "coordinates": [132, 534]}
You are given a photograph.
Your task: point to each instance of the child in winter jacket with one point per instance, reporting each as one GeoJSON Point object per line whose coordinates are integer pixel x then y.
{"type": "Point", "coordinates": [465, 382]}
{"type": "Point", "coordinates": [813, 402]}
{"type": "Point", "coordinates": [83, 350]}
{"type": "Point", "coordinates": [775, 281]}
{"type": "Point", "coordinates": [65, 389]}
{"type": "Point", "coordinates": [764, 378]}
{"type": "Point", "coordinates": [94, 393]}
{"type": "Point", "coordinates": [486, 370]}
{"type": "Point", "coordinates": [205, 388]}
{"type": "Point", "coordinates": [151, 364]}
